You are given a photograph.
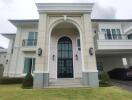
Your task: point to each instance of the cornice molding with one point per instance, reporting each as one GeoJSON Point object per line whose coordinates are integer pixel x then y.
{"type": "Point", "coordinates": [65, 7]}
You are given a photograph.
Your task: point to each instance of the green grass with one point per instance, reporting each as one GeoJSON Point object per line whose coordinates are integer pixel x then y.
{"type": "Point", "coordinates": [15, 92]}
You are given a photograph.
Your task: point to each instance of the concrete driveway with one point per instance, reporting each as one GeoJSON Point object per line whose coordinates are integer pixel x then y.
{"type": "Point", "coordinates": [127, 85]}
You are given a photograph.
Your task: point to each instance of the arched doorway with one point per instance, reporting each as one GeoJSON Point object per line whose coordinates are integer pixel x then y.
{"type": "Point", "coordinates": [65, 58]}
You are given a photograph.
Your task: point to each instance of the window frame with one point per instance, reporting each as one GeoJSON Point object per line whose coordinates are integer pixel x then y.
{"type": "Point", "coordinates": [117, 33]}
{"type": "Point", "coordinates": [78, 45]}
{"type": "Point", "coordinates": [32, 41]}
{"type": "Point", "coordinates": [33, 59]}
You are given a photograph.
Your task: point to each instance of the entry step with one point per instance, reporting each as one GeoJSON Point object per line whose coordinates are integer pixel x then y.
{"type": "Point", "coordinates": [65, 82]}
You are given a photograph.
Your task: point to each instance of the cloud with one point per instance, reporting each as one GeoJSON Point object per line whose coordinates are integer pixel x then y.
{"type": "Point", "coordinates": [100, 12]}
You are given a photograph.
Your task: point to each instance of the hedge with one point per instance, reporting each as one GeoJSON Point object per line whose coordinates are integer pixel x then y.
{"type": "Point", "coordinates": [10, 80]}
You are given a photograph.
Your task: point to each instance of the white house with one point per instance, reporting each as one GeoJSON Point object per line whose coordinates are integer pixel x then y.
{"type": "Point", "coordinates": [3, 53]}
{"type": "Point", "coordinates": [66, 44]}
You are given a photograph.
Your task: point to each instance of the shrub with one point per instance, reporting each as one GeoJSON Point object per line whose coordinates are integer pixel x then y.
{"type": "Point", "coordinates": [11, 80]}
{"type": "Point", "coordinates": [104, 79]}
{"type": "Point", "coordinates": [28, 81]}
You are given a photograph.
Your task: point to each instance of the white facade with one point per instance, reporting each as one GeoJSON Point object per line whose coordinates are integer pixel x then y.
{"type": "Point", "coordinates": [72, 21]}
{"type": "Point", "coordinates": [3, 54]}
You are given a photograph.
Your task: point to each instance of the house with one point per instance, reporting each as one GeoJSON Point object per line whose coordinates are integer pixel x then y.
{"type": "Point", "coordinates": [65, 46]}
{"type": "Point", "coordinates": [3, 53]}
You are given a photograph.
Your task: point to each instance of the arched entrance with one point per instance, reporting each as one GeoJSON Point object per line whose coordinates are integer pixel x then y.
{"type": "Point", "coordinates": [64, 52]}
{"type": "Point", "coordinates": [65, 58]}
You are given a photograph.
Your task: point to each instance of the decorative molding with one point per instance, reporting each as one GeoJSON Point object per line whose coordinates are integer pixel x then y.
{"type": "Point", "coordinates": [90, 70]}
{"type": "Point", "coordinates": [41, 72]}
{"type": "Point", "coordinates": [65, 7]}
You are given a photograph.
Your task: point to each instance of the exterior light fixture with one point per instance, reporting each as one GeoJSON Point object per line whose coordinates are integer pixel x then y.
{"type": "Point", "coordinates": [6, 61]}
{"type": "Point", "coordinates": [76, 57]}
{"type": "Point", "coordinates": [53, 57]}
{"type": "Point", "coordinates": [39, 51]}
{"type": "Point", "coordinates": [91, 51]}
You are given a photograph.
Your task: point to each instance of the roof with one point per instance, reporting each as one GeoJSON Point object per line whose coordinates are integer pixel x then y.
{"type": "Point", "coordinates": [31, 21]}
{"type": "Point", "coordinates": [1, 47]}
{"type": "Point", "coordinates": [111, 20]}
{"type": "Point", "coordinates": [8, 35]}
{"type": "Point", "coordinates": [23, 20]}
{"type": "Point", "coordinates": [16, 22]}
{"type": "Point", "coordinates": [3, 51]}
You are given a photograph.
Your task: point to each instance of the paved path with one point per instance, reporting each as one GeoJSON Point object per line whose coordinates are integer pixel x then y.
{"type": "Point", "coordinates": [127, 85]}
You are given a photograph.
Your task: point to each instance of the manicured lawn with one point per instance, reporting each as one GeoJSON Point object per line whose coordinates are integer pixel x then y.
{"type": "Point", "coordinates": [14, 92]}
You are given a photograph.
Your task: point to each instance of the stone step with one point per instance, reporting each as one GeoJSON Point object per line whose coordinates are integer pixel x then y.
{"type": "Point", "coordinates": [68, 86]}
{"type": "Point", "coordinates": [65, 80]}
{"type": "Point", "coordinates": [56, 83]}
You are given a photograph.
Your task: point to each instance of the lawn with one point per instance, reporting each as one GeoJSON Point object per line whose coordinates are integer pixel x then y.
{"type": "Point", "coordinates": [14, 92]}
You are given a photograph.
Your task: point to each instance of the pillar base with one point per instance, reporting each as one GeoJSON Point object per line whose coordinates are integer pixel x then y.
{"type": "Point", "coordinates": [90, 79]}
{"type": "Point", "coordinates": [41, 80]}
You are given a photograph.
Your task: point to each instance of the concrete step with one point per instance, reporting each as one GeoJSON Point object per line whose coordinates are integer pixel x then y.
{"type": "Point", "coordinates": [58, 83]}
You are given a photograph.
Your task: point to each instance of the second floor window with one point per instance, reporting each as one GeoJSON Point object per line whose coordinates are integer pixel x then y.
{"type": "Point", "coordinates": [112, 34]}
{"type": "Point", "coordinates": [32, 38]}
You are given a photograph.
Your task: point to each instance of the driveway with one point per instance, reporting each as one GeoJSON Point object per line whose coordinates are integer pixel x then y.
{"type": "Point", "coordinates": [127, 85]}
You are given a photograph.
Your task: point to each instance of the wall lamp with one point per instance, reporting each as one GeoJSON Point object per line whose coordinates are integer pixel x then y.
{"type": "Point", "coordinates": [91, 51]}
{"type": "Point", "coordinates": [39, 51]}
{"type": "Point", "coordinates": [76, 57]}
{"type": "Point", "coordinates": [6, 61]}
{"type": "Point", "coordinates": [53, 57]}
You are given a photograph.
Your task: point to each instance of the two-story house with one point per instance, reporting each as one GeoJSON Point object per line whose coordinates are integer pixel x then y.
{"type": "Point", "coordinates": [3, 53]}
{"type": "Point", "coordinates": [66, 47]}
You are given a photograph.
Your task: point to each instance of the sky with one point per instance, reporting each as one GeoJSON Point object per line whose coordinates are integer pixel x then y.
{"type": "Point", "coordinates": [26, 9]}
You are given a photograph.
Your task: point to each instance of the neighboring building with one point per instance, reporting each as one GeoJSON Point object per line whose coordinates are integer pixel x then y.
{"type": "Point", "coordinates": [66, 43]}
{"type": "Point", "coordinates": [9, 53]}
{"type": "Point", "coordinates": [3, 53]}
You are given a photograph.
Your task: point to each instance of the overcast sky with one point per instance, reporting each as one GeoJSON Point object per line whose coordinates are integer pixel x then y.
{"type": "Point", "coordinates": [26, 9]}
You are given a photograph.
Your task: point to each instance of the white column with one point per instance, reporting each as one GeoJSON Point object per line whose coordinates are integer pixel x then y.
{"type": "Point", "coordinates": [41, 70]}
{"type": "Point", "coordinates": [90, 74]}
{"type": "Point", "coordinates": [8, 57]}
{"type": "Point", "coordinates": [14, 61]}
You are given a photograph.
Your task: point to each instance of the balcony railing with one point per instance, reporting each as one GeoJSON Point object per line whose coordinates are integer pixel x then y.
{"type": "Point", "coordinates": [29, 42]}
{"type": "Point", "coordinates": [102, 36]}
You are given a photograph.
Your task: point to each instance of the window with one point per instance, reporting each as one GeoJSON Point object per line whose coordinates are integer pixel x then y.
{"type": "Point", "coordinates": [119, 34]}
{"type": "Point", "coordinates": [32, 37]}
{"type": "Point", "coordinates": [29, 65]}
{"type": "Point", "coordinates": [105, 33]}
{"type": "Point", "coordinates": [109, 36]}
{"type": "Point", "coordinates": [112, 34]}
{"type": "Point", "coordinates": [124, 60]}
{"type": "Point", "coordinates": [78, 43]}
{"type": "Point", "coordinates": [130, 36]}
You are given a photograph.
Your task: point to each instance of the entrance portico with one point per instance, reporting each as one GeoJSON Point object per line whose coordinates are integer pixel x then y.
{"type": "Point", "coordinates": [60, 25]}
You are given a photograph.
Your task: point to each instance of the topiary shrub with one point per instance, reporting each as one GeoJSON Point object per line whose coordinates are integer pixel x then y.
{"type": "Point", "coordinates": [104, 79]}
{"type": "Point", "coordinates": [28, 81]}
